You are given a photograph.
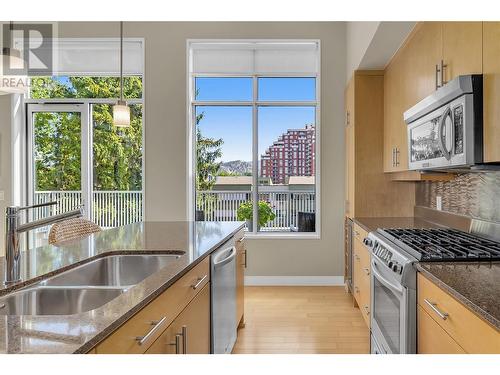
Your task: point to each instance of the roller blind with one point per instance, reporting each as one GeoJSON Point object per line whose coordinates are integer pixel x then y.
{"type": "Point", "coordinates": [254, 57]}
{"type": "Point", "coordinates": [96, 57]}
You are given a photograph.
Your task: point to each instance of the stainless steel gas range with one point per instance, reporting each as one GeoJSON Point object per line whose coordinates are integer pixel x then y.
{"type": "Point", "coordinates": [394, 278]}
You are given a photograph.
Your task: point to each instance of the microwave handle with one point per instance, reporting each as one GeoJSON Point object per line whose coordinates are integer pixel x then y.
{"type": "Point", "coordinates": [442, 124]}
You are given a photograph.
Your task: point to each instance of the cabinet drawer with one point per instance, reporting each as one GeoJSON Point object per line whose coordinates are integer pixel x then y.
{"type": "Point", "coordinates": [361, 255]}
{"type": "Point", "coordinates": [192, 326]}
{"type": "Point", "coordinates": [469, 331]}
{"type": "Point", "coordinates": [432, 339]}
{"type": "Point", "coordinates": [163, 309]}
{"type": "Point", "coordinates": [361, 278]}
{"type": "Point", "coordinates": [358, 232]}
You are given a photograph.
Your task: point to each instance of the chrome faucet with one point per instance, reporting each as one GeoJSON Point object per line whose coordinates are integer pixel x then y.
{"type": "Point", "coordinates": [12, 230]}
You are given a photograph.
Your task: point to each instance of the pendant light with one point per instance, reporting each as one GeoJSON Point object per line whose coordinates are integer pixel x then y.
{"type": "Point", "coordinates": [121, 111]}
{"type": "Point", "coordinates": [11, 57]}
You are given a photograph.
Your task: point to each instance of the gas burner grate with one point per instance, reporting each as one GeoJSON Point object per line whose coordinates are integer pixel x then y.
{"type": "Point", "coordinates": [446, 244]}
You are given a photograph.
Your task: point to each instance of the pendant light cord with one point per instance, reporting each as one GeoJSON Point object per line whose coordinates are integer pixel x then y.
{"type": "Point", "coordinates": [121, 60]}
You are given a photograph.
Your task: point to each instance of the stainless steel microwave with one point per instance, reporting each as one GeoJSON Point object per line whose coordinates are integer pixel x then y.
{"type": "Point", "coordinates": [445, 130]}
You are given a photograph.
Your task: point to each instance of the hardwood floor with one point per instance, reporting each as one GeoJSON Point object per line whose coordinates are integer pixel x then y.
{"type": "Point", "coordinates": [302, 320]}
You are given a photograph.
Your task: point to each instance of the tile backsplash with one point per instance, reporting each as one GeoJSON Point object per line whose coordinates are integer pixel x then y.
{"type": "Point", "coordinates": [470, 194]}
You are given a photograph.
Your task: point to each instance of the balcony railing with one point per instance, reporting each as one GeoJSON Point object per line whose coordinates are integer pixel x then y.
{"type": "Point", "coordinates": [109, 208]}
{"type": "Point", "coordinates": [116, 208]}
{"type": "Point", "coordinates": [223, 206]}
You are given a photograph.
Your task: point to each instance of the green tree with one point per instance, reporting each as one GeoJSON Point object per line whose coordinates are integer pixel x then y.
{"type": "Point", "coordinates": [208, 151]}
{"type": "Point", "coordinates": [117, 152]}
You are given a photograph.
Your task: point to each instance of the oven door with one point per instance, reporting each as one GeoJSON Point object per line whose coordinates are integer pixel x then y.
{"type": "Point", "coordinates": [390, 323]}
{"type": "Point", "coordinates": [443, 138]}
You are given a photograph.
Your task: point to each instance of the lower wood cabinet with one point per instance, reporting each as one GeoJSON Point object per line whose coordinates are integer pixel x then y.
{"type": "Point", "coordinates": [189, 333]}
{"type": "Point", "coordinates": [361, 269]}
{"type": "Point", "coordinates": [186, 302]}
{"type": "Point", "coordinates": [241, 264]}
{"type": "Point", "coordinates": [460, 328]}
{"type": "Point", "coordinates": [432, 339]}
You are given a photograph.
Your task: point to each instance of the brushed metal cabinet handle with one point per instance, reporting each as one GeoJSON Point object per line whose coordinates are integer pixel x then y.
{"type": "Point", "coordinates": [443, 66]}
{"type": "Point", "coordinates": [184, 340]}
{"type": "Point", "coordinates": [356, 289]}
{"type": "Point", "coordinates": [157, 326]}
{"type": "Point", "coordinates": [436, 76]}
{"type": "Point", "coordinates": [367, 310]}
{"type": "Point", "coordinates": [199, 282]}
{"type": "Point", "coordinates": [177, 344]}
{"type": "Point", "coordinates": [432, 305]}
{"type": "Point", "coordinates": [245, 258]}
{"type": "Point", "coordinates": [367, 270]}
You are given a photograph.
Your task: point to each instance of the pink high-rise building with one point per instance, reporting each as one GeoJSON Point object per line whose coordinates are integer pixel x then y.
{"type": "Point", "coordinates": [293, 154]}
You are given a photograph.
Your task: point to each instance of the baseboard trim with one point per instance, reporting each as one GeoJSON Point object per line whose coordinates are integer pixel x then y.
{"type": "Point", "coordinates": [294, 280]}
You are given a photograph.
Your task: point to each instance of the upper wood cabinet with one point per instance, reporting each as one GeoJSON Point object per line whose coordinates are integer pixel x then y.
{"type": "Point", "coordinates": [462, 48]}
{"type": "Point", "coordinates": [491, 91]}
{"type": "Point", "coordinates": [413, 74]}
{"type": "Point", "coordinates": [369, 192]}
{"type": "Point", "coordinates": [349, 144]}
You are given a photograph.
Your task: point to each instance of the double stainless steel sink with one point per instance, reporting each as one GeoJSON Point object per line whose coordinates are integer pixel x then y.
{"type": "Point", "coordinates": [85, 287]}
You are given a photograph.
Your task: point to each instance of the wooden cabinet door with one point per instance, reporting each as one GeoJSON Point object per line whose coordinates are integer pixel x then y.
{"type": "Point", "coordinates": [462, 48]}
{"type": "Point", "coordinates": [241, 263]}
{"type": "Point", "coordinates": [409, 78]}
{"type": "Point", "coordinates": [193, 326]}
{"type": "Point", "coordinates": [422, 52]}
{"type": "Point", "coordinates": [349, 151]}
{"type": "Point", "coordinates": [491, 91]}
{"type": "Point", "coordinates": [431, 338]}
{"type": "Point", "coordinates": [394, 106]}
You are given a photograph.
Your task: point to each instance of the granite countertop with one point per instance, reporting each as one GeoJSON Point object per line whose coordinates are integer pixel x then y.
{"type": "Point", "coordinates": [373, 223]}
{"type": "Point", "coordinates": [80, 332]}
{"type": "Point", "coordinates": [475, 284]}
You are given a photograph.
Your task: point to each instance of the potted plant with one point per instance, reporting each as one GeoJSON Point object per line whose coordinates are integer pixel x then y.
{"type": "Point", "coordinates": [245, 213]}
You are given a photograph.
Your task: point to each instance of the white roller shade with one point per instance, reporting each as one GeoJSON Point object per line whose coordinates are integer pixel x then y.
{"type": "Point", "coordinates": [254, 57]}
{"type": "Point", "coordinates": [97, 57]}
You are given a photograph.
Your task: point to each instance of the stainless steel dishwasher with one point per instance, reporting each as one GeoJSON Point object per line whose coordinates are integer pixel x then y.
{"type": "Point", "coordinates": [223, 284]}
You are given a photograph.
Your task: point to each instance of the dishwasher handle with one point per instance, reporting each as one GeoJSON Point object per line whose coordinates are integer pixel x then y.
{"type": "Point", "coordinates": [224, 257]}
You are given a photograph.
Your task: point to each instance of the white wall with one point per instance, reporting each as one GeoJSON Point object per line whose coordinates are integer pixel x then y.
{"type": "Point", "coordinates": [166, 140]}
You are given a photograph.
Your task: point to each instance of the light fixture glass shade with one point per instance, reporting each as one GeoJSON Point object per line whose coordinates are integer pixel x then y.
{"type": "Point", "coordinates": [121, 114]}
{"type": "Point", "coordinates": [13, 83]}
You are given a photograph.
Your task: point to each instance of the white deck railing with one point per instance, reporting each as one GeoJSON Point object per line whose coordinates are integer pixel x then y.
{"type": "Point", "coordinates": [109, 209]}
{"type": "Point", "coordinates": [116, 208]}
{"type": "Point", "coordinates": [223, 205]}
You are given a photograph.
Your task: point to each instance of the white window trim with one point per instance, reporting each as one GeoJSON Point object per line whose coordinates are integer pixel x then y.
{"type": "Point", "coordinates": [255, 103]}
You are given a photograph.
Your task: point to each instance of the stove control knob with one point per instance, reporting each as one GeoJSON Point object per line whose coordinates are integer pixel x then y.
{"type": "Point", "coordinates": [397, 268]}
{"type": "Point", "coordinates": [390, 264]}
{"type": "Point", "coordinates": [368, 242]}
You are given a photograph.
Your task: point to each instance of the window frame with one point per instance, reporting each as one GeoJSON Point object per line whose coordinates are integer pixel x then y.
{"type": "Point", "coordinates": [255, 103]}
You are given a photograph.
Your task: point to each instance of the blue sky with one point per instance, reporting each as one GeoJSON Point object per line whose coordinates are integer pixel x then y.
{"type": "Point", "coordinates": [234, 124]}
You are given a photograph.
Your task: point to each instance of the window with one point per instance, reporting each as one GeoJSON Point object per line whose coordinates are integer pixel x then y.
{"type": "Point", "coordinates": [254, 117]}
{"type": "Point", "coordinates": [78, 157]}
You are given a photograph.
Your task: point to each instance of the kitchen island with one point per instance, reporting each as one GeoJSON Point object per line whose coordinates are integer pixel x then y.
{"type": "Point", "coordinates": [192, 242]}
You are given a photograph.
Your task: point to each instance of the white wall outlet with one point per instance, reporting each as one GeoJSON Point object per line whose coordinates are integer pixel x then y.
{"type": "Point", "coordinates": [439, 203]}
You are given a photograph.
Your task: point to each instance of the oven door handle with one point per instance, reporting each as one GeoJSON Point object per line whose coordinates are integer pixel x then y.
{"type": "Point", "coordinates": [378, 275]}
{"type": "Point", "coordinates": [441, 136]}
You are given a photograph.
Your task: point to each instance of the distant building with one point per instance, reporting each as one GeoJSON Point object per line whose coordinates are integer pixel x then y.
{"type": "Point", "coordinates": [293, 154]}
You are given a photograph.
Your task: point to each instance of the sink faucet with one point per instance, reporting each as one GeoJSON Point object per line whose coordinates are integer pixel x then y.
{"type": "Point", "coordinates": [12, 230]}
